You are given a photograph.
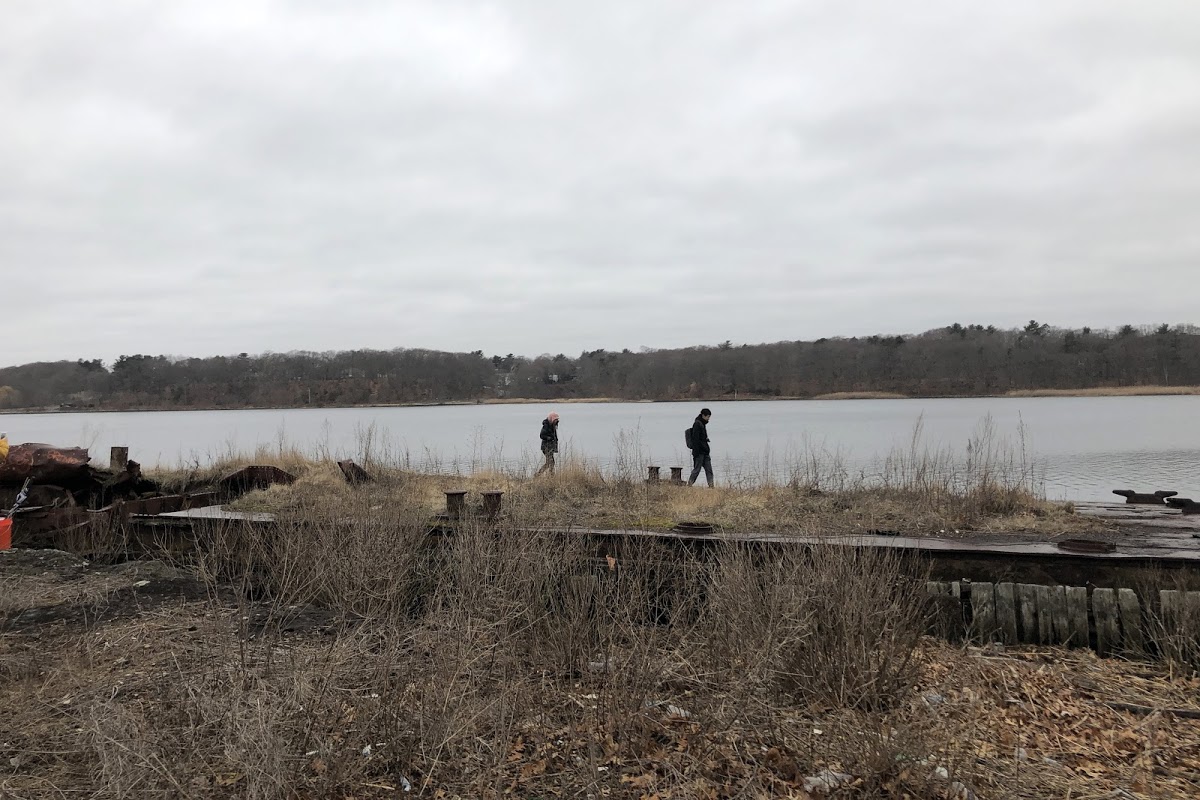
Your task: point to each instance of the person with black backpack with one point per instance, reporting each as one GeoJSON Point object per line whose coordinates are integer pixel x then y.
{"type": "Point", "coordinates": [697, 442]}
{"type": "Point", "coordinates": [549, 437]}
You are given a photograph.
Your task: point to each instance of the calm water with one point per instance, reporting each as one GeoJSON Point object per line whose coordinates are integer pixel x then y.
{"type": "Point", "coordinates": [1080, 448]}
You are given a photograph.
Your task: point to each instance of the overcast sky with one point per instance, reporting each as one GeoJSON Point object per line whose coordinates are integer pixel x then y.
{"type": "Point", "coordinates": [201, 178]}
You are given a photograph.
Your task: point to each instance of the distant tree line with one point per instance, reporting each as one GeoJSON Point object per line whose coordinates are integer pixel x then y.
{"type": "Point", "coordinates": [958, 360]}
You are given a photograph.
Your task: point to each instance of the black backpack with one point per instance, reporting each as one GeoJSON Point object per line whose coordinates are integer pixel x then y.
{"type": "Point", "coordinates": [687, 437]}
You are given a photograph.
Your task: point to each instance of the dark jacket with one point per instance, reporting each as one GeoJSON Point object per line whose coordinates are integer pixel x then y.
{"type": "Point", "coordinates": [549, 436]}
{"type": "Point", "coordinates": [700, 437]}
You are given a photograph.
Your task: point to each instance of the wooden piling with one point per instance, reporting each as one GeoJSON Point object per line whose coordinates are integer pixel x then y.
{"type": "Point", "coordinates": [1006, 613]}
{"type": "Point", "coordinates": [1077, 617]}
{"type": "Point", "coordinates": [1028, 612]}
{"type": "Point", "coordinates": [1059, 615]}
{"type": "Point", "coordinates": [983, 610]}
{"type": "Point", "coordinates": [118, 458]}
{"type": "Point", "coordinates": [1132, 637]}
{"type": "Point", "coordinates": [1108, 626]}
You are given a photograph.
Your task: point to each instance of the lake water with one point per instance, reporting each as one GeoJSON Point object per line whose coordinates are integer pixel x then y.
{"type": "Point", "coordinates": [1079, 447]}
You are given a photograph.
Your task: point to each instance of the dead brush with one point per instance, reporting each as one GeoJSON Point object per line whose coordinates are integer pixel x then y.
{"type": "Point", "coordinates": [755, 611]}
{"type": "Point", "coordinates": [1174, 623]}
{"type": "Point", "coordinates": [869, 611]}
{"type": "Point", "coordinates": [360, 556]}
{"type": "Point", "coordinates": [131, 762]}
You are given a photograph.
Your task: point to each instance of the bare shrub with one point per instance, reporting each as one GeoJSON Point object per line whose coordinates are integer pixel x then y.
{"type": "Point", "coordinates": [867, 610]}
{"type": "Point", "coordinates": [361, 556]}
{"type": "Point", "coordinates": [130, 759]}
{"type": "Point", "coordinates": [1174, 625]}
{"type": "Point", "coordinates": [757, 609]}
{"type": "Point", "coordinates": [832, 624]}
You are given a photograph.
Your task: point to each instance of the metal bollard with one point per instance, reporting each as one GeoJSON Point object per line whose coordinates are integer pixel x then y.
{"type": "Point", "coordinates": [1145, 498]}
{"type": "Point", "coordinates": [456, 503]}
{"type": "Point", "coordinates": [118, 457]}
{"type": "Point", "coordinates": [492, 502]}
{"type": "Point", "coordinates": [676, 474]}
{"type": "Point", "coordinates": [652, 477]}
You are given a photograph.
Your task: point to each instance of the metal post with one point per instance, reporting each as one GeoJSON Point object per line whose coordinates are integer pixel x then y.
{"type": "Point", "coordinates": [652, 477]}
{"type": "Point", "coordinates": [676, 474]}
{"type": "Point", "coordinates": [456, 502]}
{"type": "Point", "coordinates": [492, 502]}
{"type": "Point", "coordinates": [118, 457]}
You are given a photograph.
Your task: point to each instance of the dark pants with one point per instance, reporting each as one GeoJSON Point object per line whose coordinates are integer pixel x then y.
{"type": "Point", "coordinates": [548, 466]}
{"type": "Point", "coordinates": [701, 461]}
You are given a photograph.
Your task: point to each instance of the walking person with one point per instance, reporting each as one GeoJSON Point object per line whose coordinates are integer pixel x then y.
{"type": "Point", "coordinates": [549, 442]}
{"type": "Point", "coordinates": [701, 452]}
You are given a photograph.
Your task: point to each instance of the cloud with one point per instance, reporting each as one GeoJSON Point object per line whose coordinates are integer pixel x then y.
{"type": "Point", "coordinates": [218, 177]}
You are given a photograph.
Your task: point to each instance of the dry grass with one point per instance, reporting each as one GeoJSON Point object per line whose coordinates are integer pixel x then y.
{"type": "Point", "coordinates": [917, 496]}
{"type": "Point", "coordinates": [1174, 621]}
{"type": "Point", "coordinates": [860, 396]}
{"type": "Point", "coordinates": [347, 653]}
{"type": "Point", "coordinates": [579, 497]}
{"type": "Point", "coordinates": [991, 485]}
{"type": "Point", "coordinates": [1105, 391]}
{"type": "Point", "coordinates": [350, 654]}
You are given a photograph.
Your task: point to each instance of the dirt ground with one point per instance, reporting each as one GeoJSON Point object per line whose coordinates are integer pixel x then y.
{"type": "Point", "coordinates": [143, 680]}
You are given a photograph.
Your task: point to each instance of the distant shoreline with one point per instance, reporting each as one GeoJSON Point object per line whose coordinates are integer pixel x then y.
{"type": "Point", "coordinates": [1101, 391]}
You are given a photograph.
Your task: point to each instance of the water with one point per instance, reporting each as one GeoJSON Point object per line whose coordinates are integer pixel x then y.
{"type": "Point", "coordinates": [1082, 447]}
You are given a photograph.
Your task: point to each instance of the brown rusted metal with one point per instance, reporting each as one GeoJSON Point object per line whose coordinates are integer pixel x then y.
{"type": "Point", "coordinates": [1144, 498]}
{"type": "Point", "coordinates": [118, 457]}
{"type": "Point", "coordinates": [694, 527]}
{"type": "Point", "coordinates": [1086, 546]}
{"type": "Point", "coordinates": [353, 473]}
{"type": "Point", "coordinates": [652, 474]}
{"type": "Point", "coordinates": [256, 476]}
{"type": "Point", "coordinates": [456, 503]}
{"type": "Point", "coordinates": [676, 474]}
{"type": "Point", "coordinates": [43, 463]}
{"type": "Point", "coordinates": [33, 522]}
{"type": "Point", "coordinates": [492, 502]}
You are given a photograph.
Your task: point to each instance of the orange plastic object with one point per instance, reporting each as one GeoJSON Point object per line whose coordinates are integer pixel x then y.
{"type": "Point", "coordinates": [5, 534]}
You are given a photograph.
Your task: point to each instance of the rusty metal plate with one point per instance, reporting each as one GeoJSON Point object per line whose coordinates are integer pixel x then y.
{"type": "Point", "coordinates": [1086, 546]}
{"type": "Point", "coordinates": [353, 473]}
{"type": "Point", "coordinates": [257, 476]}
{"type": "Point", "coordinates": [42, 462]}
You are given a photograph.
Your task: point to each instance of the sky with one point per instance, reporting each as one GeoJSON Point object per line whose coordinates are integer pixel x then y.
{"type": "Point", "coordinates": [224, 176]}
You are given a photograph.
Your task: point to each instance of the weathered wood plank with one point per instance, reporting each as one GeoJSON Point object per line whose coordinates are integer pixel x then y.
{"type": "Point", "coordinates": [1077, 616]}
{"type": "Point", "coordinates": [1060, 614]}
{"type": "Point", "coordinates": [983, 610]}
{"type": "Point", "coordinates": [1027, 611]}
{"type": "Point", "coordinates": [1006, 613]}
{"type": "Point", "coordinates": [1169, 605]}
{"type": "Point", "coordinates": [1132, 636]}
{"type": "Point", "coordinates": [1108, 625]}
{"type": "Point", "coordinates": [1041, 632]}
